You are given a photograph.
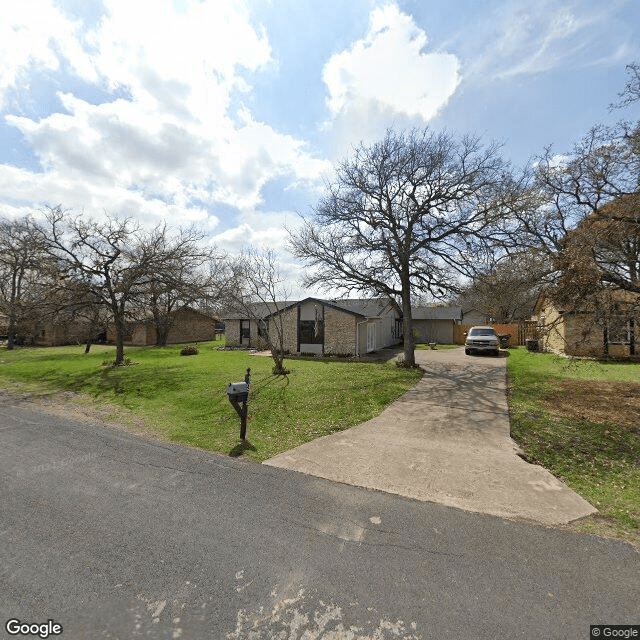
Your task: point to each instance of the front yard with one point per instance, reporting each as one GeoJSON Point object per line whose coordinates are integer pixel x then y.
{"type": "Point", "coordinates": [581, 420]}
{"type": "Point", "coordinates": [578, 418]}
{"type": "Point", "coordinates": [183, 398]}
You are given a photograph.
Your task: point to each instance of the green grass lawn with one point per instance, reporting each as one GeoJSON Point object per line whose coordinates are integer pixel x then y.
{"type": "Point", "coordinates": [183, 398]}
{"type": "Point", "coordinates": [581, 420]}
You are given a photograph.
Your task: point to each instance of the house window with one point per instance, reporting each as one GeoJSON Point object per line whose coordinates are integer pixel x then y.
{"type": "Point", "coordinates": [311, 332]}
{"type": "Point", "coordinates": [397, 329]}
{"type": "Point", "coordinates": [619, 331]}
{"type": "Point", "coordinates": [262, 329]}
{"type": "Point", "coordinates": [127, 331]}
{"type": "Point", "coordinates": [245, 333]}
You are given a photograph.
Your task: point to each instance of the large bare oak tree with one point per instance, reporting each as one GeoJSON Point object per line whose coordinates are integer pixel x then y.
{"type": "Point", "coordinates": [411, 214]}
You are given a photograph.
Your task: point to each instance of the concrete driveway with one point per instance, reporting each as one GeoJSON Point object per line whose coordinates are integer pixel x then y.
{"type": "Point", "coordinates": [446, 441]}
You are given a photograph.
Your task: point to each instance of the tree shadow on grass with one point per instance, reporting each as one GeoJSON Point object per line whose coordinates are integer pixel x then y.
{"type": "Point", "coordinates": [240, 448]}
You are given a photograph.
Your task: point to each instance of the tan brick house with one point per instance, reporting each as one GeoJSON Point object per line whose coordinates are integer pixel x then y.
{"type": "Point", "coordinates": [599, 331]}
{"type": "Point", "coordinates": [188, 325]}
{"type": "Point", "coordinates": [312, 325]}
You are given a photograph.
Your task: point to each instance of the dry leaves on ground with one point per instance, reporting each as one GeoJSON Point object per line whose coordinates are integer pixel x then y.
{"type": "Point", "coordinates": [596, 401]}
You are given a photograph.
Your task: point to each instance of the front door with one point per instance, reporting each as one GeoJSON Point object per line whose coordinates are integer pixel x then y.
{"type": "Point", "coordinates": [371, 337]}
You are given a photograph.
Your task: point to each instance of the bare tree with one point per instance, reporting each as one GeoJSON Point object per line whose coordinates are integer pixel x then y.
{"type": "Point", "coordinates": [631, 91]}
{"type": "Point", "coordinates": [103, 258]}
{"type": "Point", "coordinates": [22, 274]}
{"type": "Point", "coordinates": [185, 275]}
{"type": "Point", "coordinates": [508, 291]}
{"type": "Point", "coordinates": [409, 215]}
{"type": "Point", "coordinates": [256, 287]}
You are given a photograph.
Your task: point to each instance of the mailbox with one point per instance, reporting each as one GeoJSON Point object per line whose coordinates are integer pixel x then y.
{"type": "Point", "coordinates": [238, 391]}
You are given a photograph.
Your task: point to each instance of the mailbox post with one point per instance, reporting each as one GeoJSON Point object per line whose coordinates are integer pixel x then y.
{"type": "Point", "coordinates": [238, 392]}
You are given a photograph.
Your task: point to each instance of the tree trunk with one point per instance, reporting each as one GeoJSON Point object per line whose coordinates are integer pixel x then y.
{"type": "Point", "coordinates": [162, 335]}
{"type": "Point", "coordinates": [278, 359]}
{"type": "Point", "coordinates": [407, 327]}
{"type": "Point", "coordinates": [11, 334]}
{"type": "Point", "coordinates": [87, 347]}
{"type": "Point", "coordinates": [120, 328]}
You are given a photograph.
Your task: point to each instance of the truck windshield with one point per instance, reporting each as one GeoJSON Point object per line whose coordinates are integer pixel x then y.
{"type": "Point", "coordinates": [482, 332]}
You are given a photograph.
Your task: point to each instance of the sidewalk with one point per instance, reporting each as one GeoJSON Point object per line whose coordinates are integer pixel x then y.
{"type": "Point", "coordinates": [445, 441]}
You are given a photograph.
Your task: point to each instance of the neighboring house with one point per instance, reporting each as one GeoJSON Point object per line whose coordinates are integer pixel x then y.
{"type": "Point", "coordinates": [474, 317]}
{"type": "Point", "coordinates": [435, 323]}
{"type": "Point", "coordinates": [312, 325]}
{"type": "Point", "coordinates": [55, 335]}
{"type": "Point", "coordinates": [188, 325]}
{"type": "Point", "coordinates": [587, 333]}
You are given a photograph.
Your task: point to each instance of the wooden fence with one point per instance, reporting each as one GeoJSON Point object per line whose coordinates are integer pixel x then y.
{"type": "Point", "coordinates": [519, 332]}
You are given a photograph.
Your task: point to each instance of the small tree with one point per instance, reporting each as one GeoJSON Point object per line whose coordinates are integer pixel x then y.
{"type": "Point", "coordinates": [256, 286]}
{"type": "Point", "coordinates": [406, 216]}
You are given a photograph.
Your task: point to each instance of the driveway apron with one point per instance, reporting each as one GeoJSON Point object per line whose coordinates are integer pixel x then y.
{"type": "Point", "coordinates": [446, 441]}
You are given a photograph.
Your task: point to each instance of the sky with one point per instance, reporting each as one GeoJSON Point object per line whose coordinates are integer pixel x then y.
{"type": "Point", "coordinates": [231, 114]}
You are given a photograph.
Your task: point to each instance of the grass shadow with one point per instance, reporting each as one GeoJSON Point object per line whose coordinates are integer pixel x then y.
{"type": "Point", "coordinates": [240, 448]}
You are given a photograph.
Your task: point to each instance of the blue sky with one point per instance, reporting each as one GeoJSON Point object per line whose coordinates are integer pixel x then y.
{"type": "Point", "coordinates": [229, 113]}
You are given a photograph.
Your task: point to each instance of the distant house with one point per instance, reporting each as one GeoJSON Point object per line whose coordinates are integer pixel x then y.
{"type": "Point", "coordinates": [57, 334]}
{"type": "Point", "coordinates": [590, 331]}
{"type": "Point", "coordinates": [187, 325]}
{"type": "Point", "coordinates": [312, 325]}
{"type": "Point", "coordinates": [435, 323]}
{"type": "Point", "coordinates": [475, 317]}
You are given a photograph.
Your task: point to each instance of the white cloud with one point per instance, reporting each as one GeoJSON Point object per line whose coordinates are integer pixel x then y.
{"type": "Point", "coordinates": [35, 35]}
{"type": "Point", "coordinates": [176, 143]}
{"type": "Point", "coordinates": [388, 71]}
{"type": "Point", "coordinates": [529, 38]}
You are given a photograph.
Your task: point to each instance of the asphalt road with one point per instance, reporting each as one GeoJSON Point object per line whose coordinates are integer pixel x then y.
{"type": "Point", "coordinates": [114, 536]}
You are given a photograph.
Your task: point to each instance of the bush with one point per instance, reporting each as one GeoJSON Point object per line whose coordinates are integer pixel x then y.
{"type": "Point", "coordinates": [191, 350]}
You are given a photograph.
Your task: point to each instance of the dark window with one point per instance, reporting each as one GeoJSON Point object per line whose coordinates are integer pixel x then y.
{"type": "Point", "coordinates": [244, 329]}
{"type": "Point", "coordinates": [398, 329]}
{"type": "Point", "coordinates": [619, 331]}
{"type": "Point", "coordinates": [262, 329]}
{"type": "Point", "coordinates": [127, 333]}
{"type": "Point", "coordinates": [311, 332]}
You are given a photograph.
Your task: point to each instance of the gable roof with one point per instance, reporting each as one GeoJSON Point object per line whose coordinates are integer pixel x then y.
{"type": "Point", "coordinates": [437, 313]}
{"type": "Point", "coordinates": [254, 310]}
{"type": "Point", "coordinates": [364, 307]}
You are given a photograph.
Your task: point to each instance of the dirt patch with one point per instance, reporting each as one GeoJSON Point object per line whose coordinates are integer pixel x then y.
{"type": "Point", "coordinates": [595, 401]}
{"type": "Point", "coordinates": [80, 408]}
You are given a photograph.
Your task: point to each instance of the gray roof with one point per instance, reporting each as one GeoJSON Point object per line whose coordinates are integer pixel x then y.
{"type": "Point", "coordinates": [437, 313]}
{"type": "Point", "coordinates": [254, 310]}
{"type": "Point", "coordinates": [366, 307]}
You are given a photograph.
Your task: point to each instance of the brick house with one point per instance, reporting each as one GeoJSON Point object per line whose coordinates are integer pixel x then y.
{"type": "Point", "coordinates": [595, 332]}
{"type": "Point", "coordinates": [312, 325]}
{"type": "Point", "coordinates": [54, 335]}
{"type": "Point", "coordinates": [188, 325]}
